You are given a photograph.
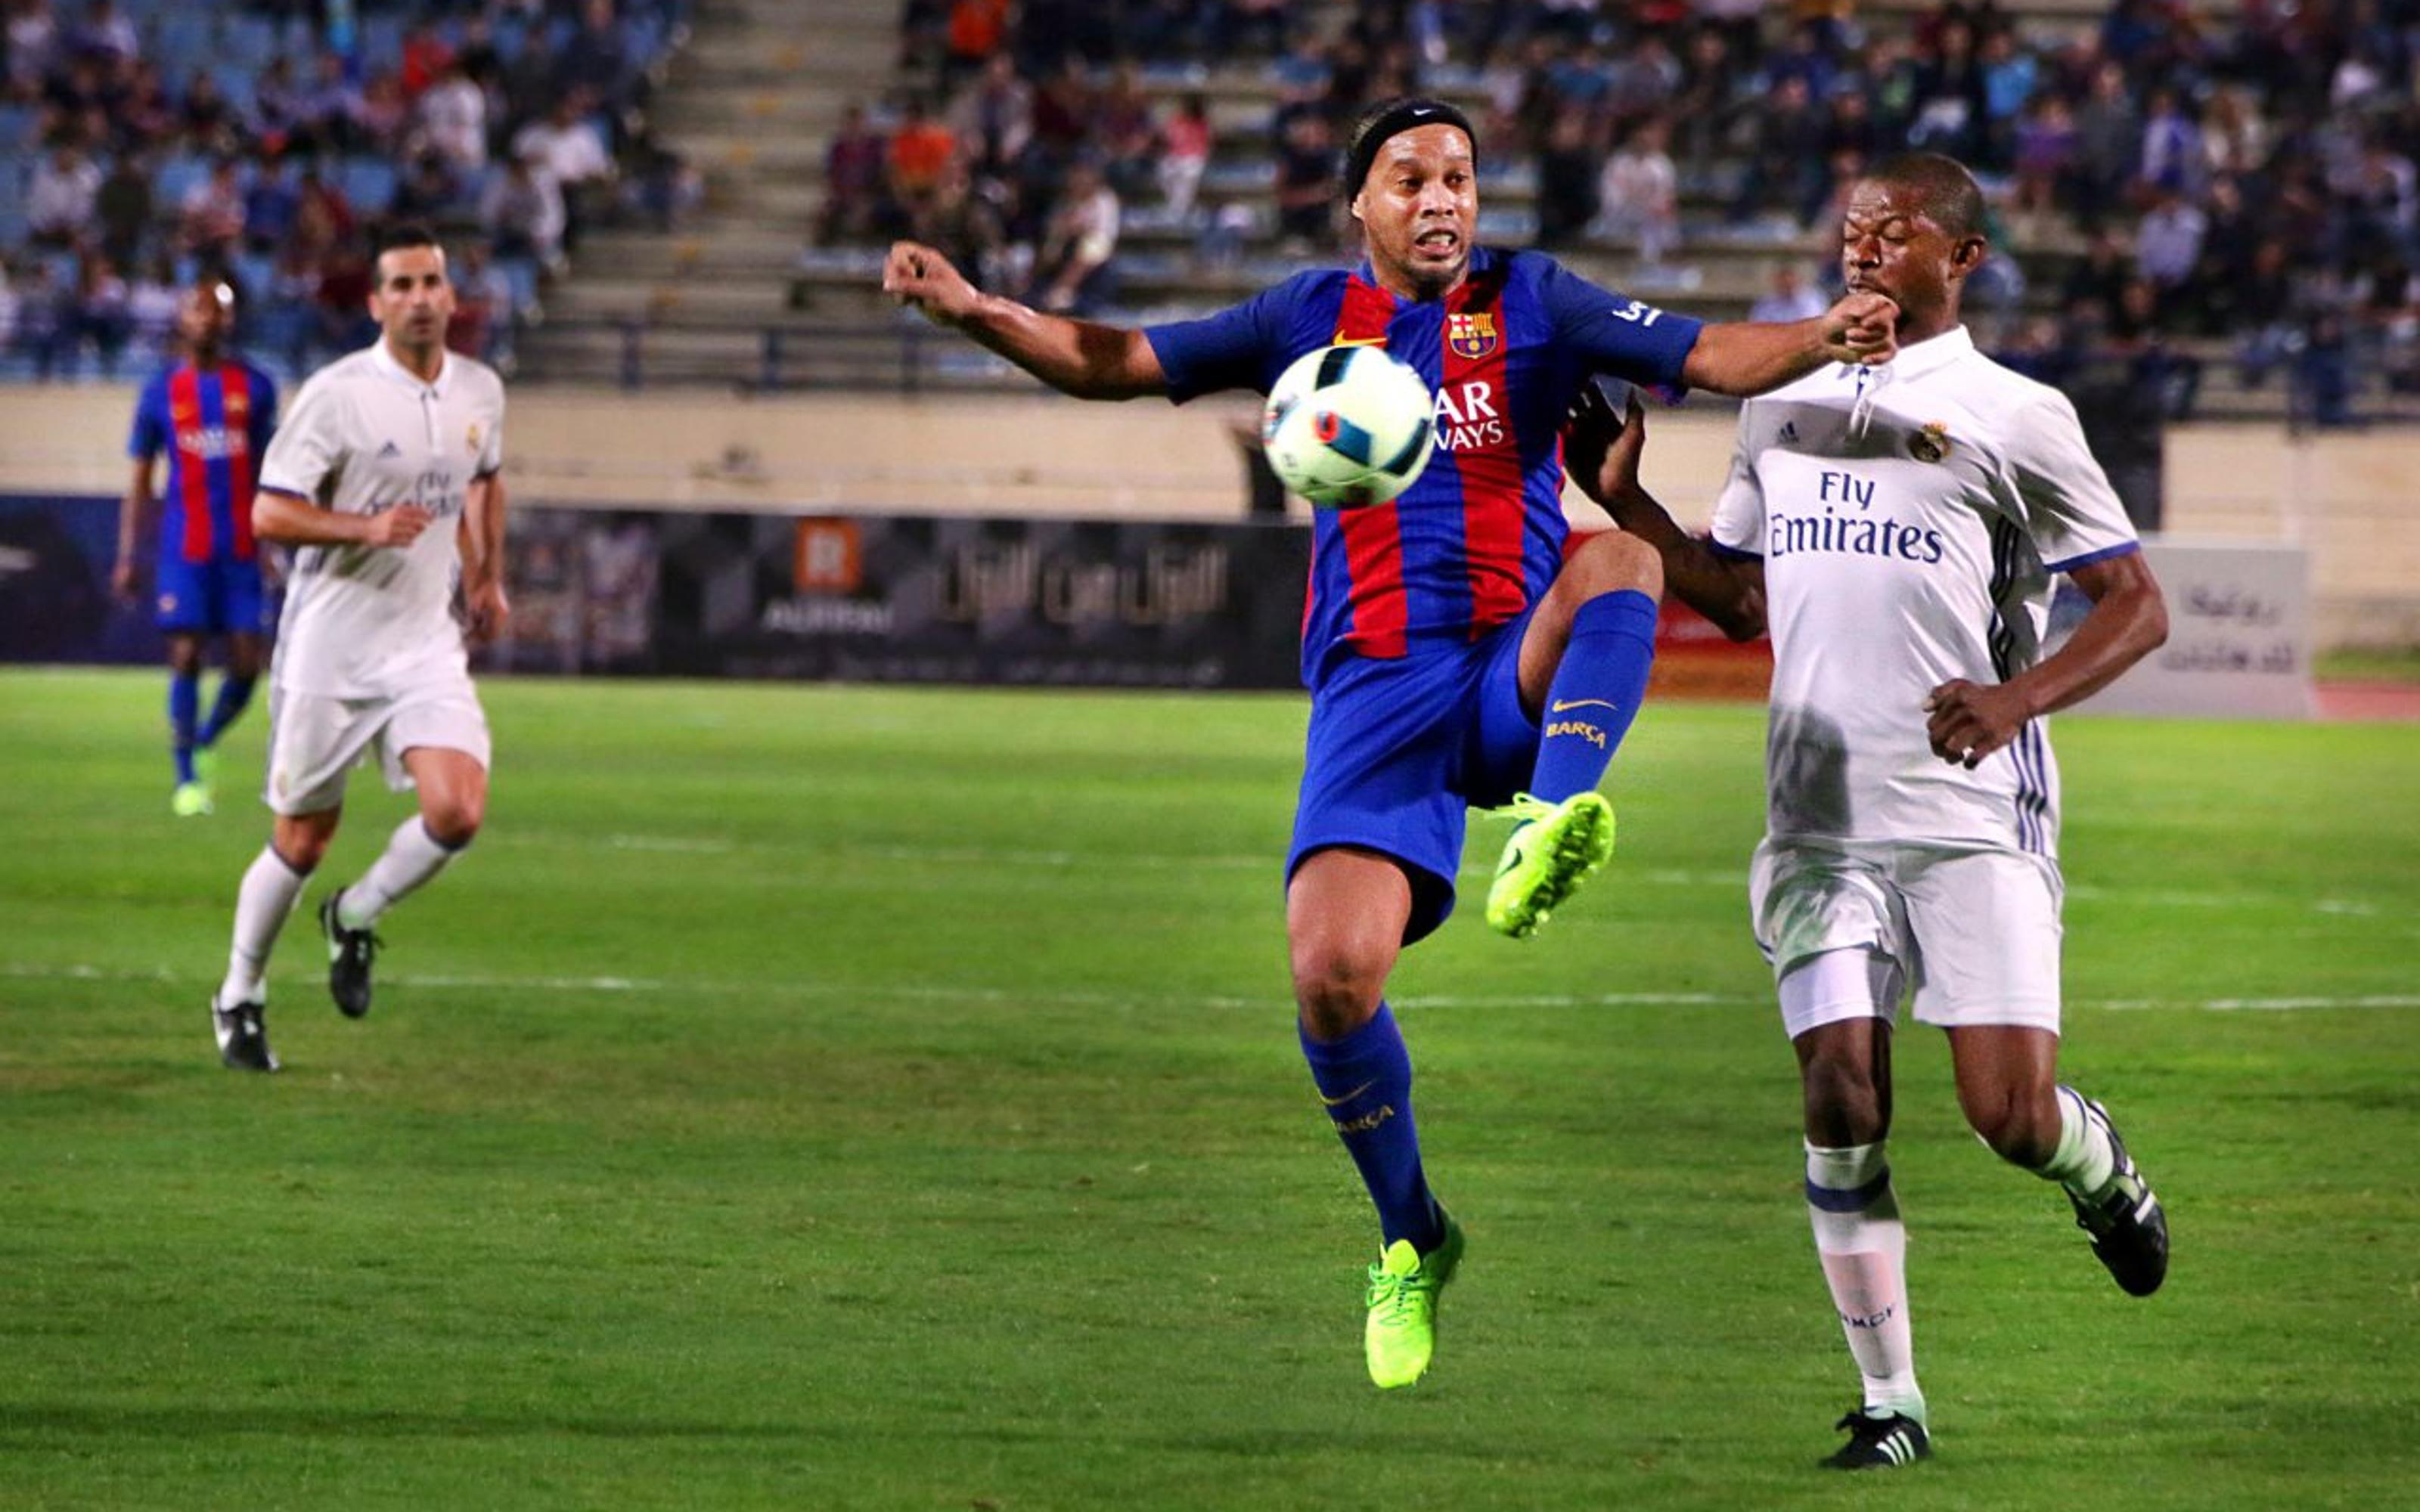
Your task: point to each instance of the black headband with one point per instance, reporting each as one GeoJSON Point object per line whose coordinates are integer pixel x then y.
{"type": "Point", "coordinates": [1403, 115]}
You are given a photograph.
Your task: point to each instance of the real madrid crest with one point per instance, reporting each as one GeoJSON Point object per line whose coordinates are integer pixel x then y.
{"type": "Point", "coordinates": [1931, 443]}
{"type": "Point", "coordinates": [1470, 335]}
{"type": "Point", "coordinates": [474, 437]}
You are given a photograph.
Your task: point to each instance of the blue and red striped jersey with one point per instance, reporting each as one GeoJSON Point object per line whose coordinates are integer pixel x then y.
{"type": "Point", "coordinates": [214, 424]}
{"type": "Point", "coordinates": [1480, 534]}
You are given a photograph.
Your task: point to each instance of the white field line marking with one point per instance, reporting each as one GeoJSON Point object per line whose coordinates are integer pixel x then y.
{"type": "Point", "coordinates": [945, 993]}
{"type": "Point", "coordinates": [1720, 880]}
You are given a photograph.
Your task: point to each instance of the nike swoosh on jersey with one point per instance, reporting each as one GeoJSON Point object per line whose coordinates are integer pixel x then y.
{"type": "Point", "coordinates": [1340, 1102]}
{"type": "Point", "coordinates": [1561, 705]}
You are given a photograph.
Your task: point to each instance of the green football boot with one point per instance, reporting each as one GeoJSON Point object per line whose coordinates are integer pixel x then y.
{"type": "Point", "coordinates": [1401, 1335]}
{"type": "Point", "coordinates": [1553, 851]}
{"type": "Point", "coordinates": [190, 800]}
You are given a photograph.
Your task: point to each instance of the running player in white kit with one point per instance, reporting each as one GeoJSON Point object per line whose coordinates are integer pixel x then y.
{"type": "Point", "coordinates": [1898, 528]}
{"type": "Point", "coordinates": [384, 476]}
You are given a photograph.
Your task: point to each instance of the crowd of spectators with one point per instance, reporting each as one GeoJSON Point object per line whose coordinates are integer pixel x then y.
{"type": "Point", "coordinates": [2245, 179]}
{"type": "Point", "coordinates": [145, 144]}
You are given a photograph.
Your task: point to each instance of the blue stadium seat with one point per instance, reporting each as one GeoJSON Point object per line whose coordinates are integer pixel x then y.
{"type": "Point", "coordinates": [236, 81]}
{"type": "Point", "coordinates": [184, 40]}
{"type": "Point", "coordinates": [511, 35]}
{"type": "Point", "coordinates": [369, 183]}
{"type": "Point", "coordinates": [381, 41]}
{"type": "Point", "coordinates": [247, 42]}
{"type": "Point", "coordinates": [175, 178]}
{"type": "Point", "coordinates": [1511, 228]}
{"type": "Point", "coordinates": [17, 127]}
{"type": "Point", "coordinates": [256, 272]}
{"type": "Point", "coordinates": [521, 276]}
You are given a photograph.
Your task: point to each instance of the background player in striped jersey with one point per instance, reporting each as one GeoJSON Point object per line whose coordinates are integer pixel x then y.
{"type": "Point", "coordinates": [212, 413]}
{"type": "Point", "coordinates": [1899, 526]}
{"type": "Point", "coordinates": [385, 479]}
{"type": "Point", "coordinates": [1455, 656]}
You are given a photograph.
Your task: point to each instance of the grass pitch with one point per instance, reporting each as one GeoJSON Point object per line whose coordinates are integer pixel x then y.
{"type": "Point", "coordinates": [822, 1098]}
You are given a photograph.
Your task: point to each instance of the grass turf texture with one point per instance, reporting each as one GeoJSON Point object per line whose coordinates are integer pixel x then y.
{"type": "Point", "coordinates": [939, 1139]}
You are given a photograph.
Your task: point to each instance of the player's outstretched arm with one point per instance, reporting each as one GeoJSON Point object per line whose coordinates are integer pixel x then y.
{"type": "Point", "coordinates": [1601, 450]}
{"type": "Point", "coordinates": [1077, 357]}
{"type": "Point", "coordinates": [291, 519]}
{"type": "Point", "coordinates": [2129, 620]}
{"type": "Point", "coordinates": [1744, 358]}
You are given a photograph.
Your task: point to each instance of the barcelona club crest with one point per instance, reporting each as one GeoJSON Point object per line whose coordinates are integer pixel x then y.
{"type": "Point", "coordinates": [1931, 443]}
{"type": "Point", "coordinates": [1470, 336]}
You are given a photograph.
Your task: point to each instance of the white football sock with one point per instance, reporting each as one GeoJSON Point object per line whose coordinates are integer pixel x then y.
{"type": "Point", "coordinates": [261, 904]}
{"type": "Point", "coordinates": [1864, 1248]}
{"type": "Point", "coordinates": [2084, 1161]}
{"type": "Point", "coordinates": [412, 857]}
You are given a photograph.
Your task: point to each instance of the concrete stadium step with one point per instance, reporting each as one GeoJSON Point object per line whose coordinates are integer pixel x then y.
{"type": "Point", "coordinates": [811, 51]}
{"type": "Point", "coordinates": [798, 157]}
{"type": "Point", "coordinates": [812, 113]}
{"type": "Point", "coordinates": [708, 301]}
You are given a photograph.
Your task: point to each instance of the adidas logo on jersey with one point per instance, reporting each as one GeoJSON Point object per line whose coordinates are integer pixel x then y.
{"type": "Point", "coordinates": [390, 449]}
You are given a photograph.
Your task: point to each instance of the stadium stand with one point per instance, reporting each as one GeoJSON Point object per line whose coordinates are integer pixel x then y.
{"type": "Point", "coordinates": [145, 143]}
{"type": "Point", "coordinates": [2216, 213]}
{"type": "Point", "coordinates": [1663, 146]}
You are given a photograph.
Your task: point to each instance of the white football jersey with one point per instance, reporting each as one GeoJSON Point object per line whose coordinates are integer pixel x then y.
{"type": "Point", "coordinates": [364, 435]}
{"type": "Point", "coordinates": [1910, 517]}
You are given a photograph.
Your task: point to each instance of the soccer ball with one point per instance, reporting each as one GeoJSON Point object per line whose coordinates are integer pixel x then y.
{"type": "Point", "coordinates": [1347, 426]}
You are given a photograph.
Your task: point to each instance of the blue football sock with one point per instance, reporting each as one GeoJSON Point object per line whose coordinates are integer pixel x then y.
{"type": "Point", "coordinates": [1596, 693]}
{"type": "Point", "coordinates": [1365, 1081]}
{"type": "Point", "coordinates": [184, 705]}
{"type": "Point", "coordinates": [233, 693]}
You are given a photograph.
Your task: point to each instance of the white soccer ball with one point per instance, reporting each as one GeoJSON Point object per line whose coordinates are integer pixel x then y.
{"type": "Point", "coordinates": [1347, 426]}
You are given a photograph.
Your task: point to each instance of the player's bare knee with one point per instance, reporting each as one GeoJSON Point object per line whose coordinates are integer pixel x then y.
{"type": "Point", "coordinates": [184, 655]}
{"type": "Point", "coordinates": [1337, 989]}
{"type": "Point", "coordinates": [2020, 1128]}
{"type": "Point", "coordinates": [303, 842]}
{"type": "Point", "coordinates": [1612, 562]}
{"type": "Point", "coordinates": [454, 822]}
{"type": "Point", "coordinates": [1844, 1108]}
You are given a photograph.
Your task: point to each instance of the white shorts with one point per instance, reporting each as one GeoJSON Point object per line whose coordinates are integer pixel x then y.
{"type": "Point", "coordinates": [314, 740]}
{"type": "Point", "coordinates": [1974, 935]}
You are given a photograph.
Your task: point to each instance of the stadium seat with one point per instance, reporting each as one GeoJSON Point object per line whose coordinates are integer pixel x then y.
{"type": "Point", "coordinates": [247, 42]}
{"type": "Point", "coordinates": [369, 183]}
{"type": "Point", "coordinates": [521, 276]}
{"type": "Point", "coordinates": [237, 81]}
{"type": "Point", "coordinates": [175, 178]}
{"type": "Point", "coordinates": [380, 41]}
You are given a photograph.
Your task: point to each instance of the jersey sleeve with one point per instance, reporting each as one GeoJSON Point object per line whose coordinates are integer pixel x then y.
{"type": "Point", "coordinates": [2070, 510]}
{"type": "Point", "coordinates": [306, 447]}
{"type": "Point", "coordinates": [491, 450]}
{"type": "Point", "coordinates": [1232, 349]}
{"type": "Point", "coordinates": [1738, 531]}
{"type": "Point", "coordinates": [1610, 333]}
{"type": "Point", "coordinates": [150, 436]}
{"type": "Point", "coordinates": [264, 411]}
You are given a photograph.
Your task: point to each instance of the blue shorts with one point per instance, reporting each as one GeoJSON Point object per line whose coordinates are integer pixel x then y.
{"type": "Point", "coordinates": [214, 597]}
{"type": "Point", "coordinates": [1398, 751]}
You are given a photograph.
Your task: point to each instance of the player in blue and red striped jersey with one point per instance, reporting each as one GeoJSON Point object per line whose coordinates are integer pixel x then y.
{"type": "Point", "coordinates": [1456, 655]}
{"type": "Point", "coordinates": [212, 413]}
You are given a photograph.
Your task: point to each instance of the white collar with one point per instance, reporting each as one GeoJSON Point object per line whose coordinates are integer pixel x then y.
{"type": "Point", "coordinates": [1932, 354]}
{"type": "Point", "coordinates": [384, 361]}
